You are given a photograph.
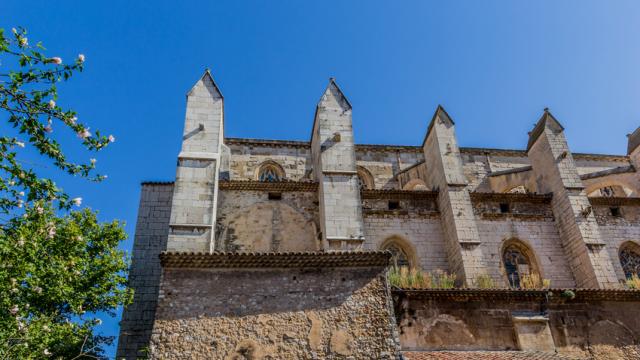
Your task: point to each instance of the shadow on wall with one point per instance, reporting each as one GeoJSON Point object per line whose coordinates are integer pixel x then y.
{"type": "Point", "coordinates": [268, 227]}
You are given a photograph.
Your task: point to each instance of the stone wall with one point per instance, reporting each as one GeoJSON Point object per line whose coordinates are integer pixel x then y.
{"type": "Point", "coordinates": [592, 324]}
{"type": "Point", "coordinates": [312, 313]}
{"type": "Point", "coordinates": [248, 155]}
{"type": "Point", "coordinates": [152, 229]}
{"type": "Point", "coordinates": [420, 236]}
{"type": "Point", "coordinates": [251, 221]}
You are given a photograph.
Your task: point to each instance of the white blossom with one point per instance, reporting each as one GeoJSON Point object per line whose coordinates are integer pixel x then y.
{"type": "Point", "coordinates": [37, 289]}
{"type": "Point", "coordinates": [21, 242]}
{"type": "Point", "coordinates": [77, 201]}
{"type": "Point", "coordinates": [21, 193]}
{"type": "Point", "coordinates": [46, 328]}
{"type": "Point", "coordinates": [48, 129]}
{"type": "Point", "coordinates": [20, 144]}
{"type": "Point", "coordinates": [56, 60]}
{"type": "Point", "coordinates": [21, 326]}
{"type": "Point", "coordinates": [93, 161]}
{"type": "Point", "coordinates": [11, 183]}
{"type": "Point", "coordinates": [13, 30]}
{"type": "Point", "coordinates": [24, 41]}
{"type": "Point", "coordinates": [20, 203]}
{"type": "Point", "coordinates": [39, 209]}
{"type": "Point", "coordinates": [52, 104]}
{"type": "Point", "coordinates": [112, 138]}
{"type": "Point", "coordinates": [46, 352]}
{"type": "Point", "coordinates": [84, 133]}
{"type": "Point", "coordinates": [73, 120]}
{"type": "Point", "coordinates": [14, 310]}
{"type": "Point", "coordinates": [52, 231]}
{"type": "Point", "coordinates": [104, 176]}
{"type": "Point", "coordinates": [81, 58]}
{"type": "Point", "coordinates": [98, 321]}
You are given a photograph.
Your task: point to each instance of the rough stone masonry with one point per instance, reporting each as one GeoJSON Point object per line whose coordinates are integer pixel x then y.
{"type": "Point", "coordinates": [271, 249]}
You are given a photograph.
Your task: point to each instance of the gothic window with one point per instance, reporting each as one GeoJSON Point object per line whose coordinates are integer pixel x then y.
{"type": "Point", "coordinates": [520, 189]}
{"type": "Point", "coordinates": [516, 264]}
{"type": "Point", "coordinates": [365, 180]}
{"type": "Point", "coordinates": [607, 191]}
{"type": "Point", "coordinates": [399, 257]}
{"type": "Point", "coordinates": [270, 172]}
{"type": "Point", "coordinates": [630, 260]}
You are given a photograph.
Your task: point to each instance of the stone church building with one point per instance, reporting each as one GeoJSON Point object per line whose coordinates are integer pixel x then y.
{"type": "Point", "coordinates": [271, 249]}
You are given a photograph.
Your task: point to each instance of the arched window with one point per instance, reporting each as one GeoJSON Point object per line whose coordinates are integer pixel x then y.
{"type": "Point", "coordinates": [630, 259]}
{"type": "Point", "coordinates": [270, 171]}
{"type": "Point", "coordinates": [518, 262]}
{"type": "Point", "coordinates": [398, 257]}
{"type": "Point", "coordinates": [402, 253]}
{"type": "Point", "coordinates": [520, 189]}
{"type": "Point", "coordinates": [415, 184]}
{"type": "Point", "coordinates": [365, 180]}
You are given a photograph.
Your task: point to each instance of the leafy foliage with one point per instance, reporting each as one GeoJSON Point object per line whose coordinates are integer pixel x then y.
{"type": "Point", "coordinates": [29, 97]}
{"type": "Point", "coordinates": [54, 271]}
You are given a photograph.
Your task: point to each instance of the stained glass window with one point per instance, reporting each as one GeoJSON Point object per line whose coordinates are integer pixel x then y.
{"type": "Point", "coordinates": [630, 261]}
{"type": "Point", "coordinates": [516, 265]}
{"type": "Point", "coordinates": [270, 173]}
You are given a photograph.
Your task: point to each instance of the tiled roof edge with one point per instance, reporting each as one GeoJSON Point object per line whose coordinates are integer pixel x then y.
{"type": "Point", "coordinates": [555, 294]}
{"type": "Point", "coordinates": [275, 260]}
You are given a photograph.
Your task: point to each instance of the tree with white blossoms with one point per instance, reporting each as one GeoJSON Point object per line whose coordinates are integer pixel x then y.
{"type": "Point", "coordinates": [57, 266]}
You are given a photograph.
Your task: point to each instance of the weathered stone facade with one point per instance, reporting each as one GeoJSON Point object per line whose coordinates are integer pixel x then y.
{"type": "Point", "coordinates": [444, 207]}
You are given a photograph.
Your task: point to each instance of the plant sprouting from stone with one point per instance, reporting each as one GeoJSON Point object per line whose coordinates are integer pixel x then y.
{"type": "Point", "coordinates": [28, 99]}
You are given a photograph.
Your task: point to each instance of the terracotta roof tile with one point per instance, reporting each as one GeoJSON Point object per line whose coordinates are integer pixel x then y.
{"type": "Point", "coordinates": [275, 260]}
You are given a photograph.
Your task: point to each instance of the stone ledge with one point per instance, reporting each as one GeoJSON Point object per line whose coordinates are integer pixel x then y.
{"type": "Point", "coordinates": [253, 185]}
{"type": "Point", "coordinates": [515, 216]}
{"type": "Point", "coordinates": [512, 197]}
{"type": "Point", "coordinates": [551, 295]}
{"type": "Point", "coordinates": [223, 260]}
{"type": "Point", "coordinates": [398, 194]}
{"type": "Point", "coordinates": [615, 201]}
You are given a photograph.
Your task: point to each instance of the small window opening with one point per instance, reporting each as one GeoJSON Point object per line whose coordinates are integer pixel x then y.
{"type": "Point", "coordinates": [275, 196]}
{"type": "Point", "coordinates": [615, 211]}
{"type": "Point", "coordinates": [505, 208]}
{"type": "Point", "coordinates": [394, 204]}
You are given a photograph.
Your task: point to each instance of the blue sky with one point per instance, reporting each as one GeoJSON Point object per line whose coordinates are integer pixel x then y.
{"type": "Point", "coordinates": [494, 65]}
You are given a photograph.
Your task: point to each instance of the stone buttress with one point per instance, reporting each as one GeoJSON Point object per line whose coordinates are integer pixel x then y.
{"type": "Point", "coordinates": [555, 172]}
{"type": "Point", "coordinates": [193, 210]}
{"type": "Point", "coordinates": [334, 166]}
{"type": "Point", "coordinates": [445, 173]}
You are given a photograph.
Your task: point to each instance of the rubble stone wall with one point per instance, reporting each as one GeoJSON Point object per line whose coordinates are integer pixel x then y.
{"type": "Point", "coordinates": [331, 313]}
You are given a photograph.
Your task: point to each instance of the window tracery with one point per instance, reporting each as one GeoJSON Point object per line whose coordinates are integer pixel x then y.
{"type": "Point", "coordinates": [517, 263]}
{"type": "Point", "coordinates": [399, 257]}
{"type": "Point", "coordinates": [270, 172]}
{"type": "Point", "coordinates": [630, 260]}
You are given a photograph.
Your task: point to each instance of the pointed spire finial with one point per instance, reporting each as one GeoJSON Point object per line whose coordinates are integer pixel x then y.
{"type": "Point", "coordinates": [546, 109]}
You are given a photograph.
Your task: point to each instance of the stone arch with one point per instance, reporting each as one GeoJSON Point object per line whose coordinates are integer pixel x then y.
{"type": "Point", "coordinates": [401, 247]}
{"type": "Point", "coordinates": [607, 332]}
{"type": "Point", "coordinates": [268, 227]}
{"type": "Point", "coordinates": [516, 189]}
{"type": "Point", "coordinates": [270, 171]}
{"type": "Point", "coordinates": [365, 179]}
{"type": "Point", "coordinates": [415, 184]}
{"type": "Point", "coordinates": [629, 256]}
{"type": "Point", "coordinates": [517, 259]}
{"type": "Point", "coordinates": [615, 186]}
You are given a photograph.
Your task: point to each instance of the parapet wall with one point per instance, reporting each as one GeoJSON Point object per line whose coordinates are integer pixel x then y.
{"type": "Point", "coordinates": [581, 324]}
{"type": "Point", "coordinates": [274, 306]}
